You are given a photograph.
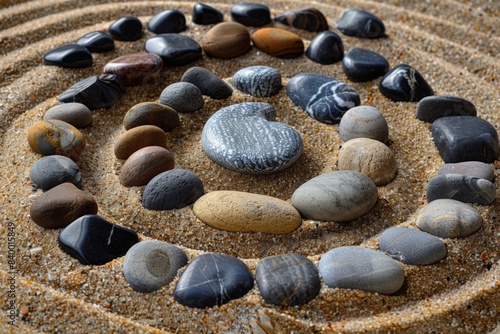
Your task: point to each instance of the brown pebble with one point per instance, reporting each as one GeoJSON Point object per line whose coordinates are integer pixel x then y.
{"type": "Point", "coordinates": [145, 164]}
{"type": "Point", "coordinates": [226, 40]}
{"type": "Point", "coordinates": [61, 205]}
{"type": "Point", "coordinates": [278, 42]}
{"type": "Point", "coordinates": [151, 113]}
{"type": "Point", "coordinates": [136, 68]}
{"type": "Point", "coordinates": [137, 138]}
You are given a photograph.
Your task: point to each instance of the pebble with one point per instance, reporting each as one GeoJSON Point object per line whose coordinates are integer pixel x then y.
{"type": "Point", "coordinates": [137, 138]}
{"type": "Point", "coordinates": [258, 81]}
{"type": "Point", "coordinates": [465, 138]}
{"type": "Point", "coordinates": [404, 83]}
{"type": "Point", "coordinates": [213, 279]}
{"type": "Point", "coordinates": [326, 48]}
{"type": "Point", "coordinates": [69, 56]}
{"type": "Point", "coordinates": [168, 21]}
{"type": "Point", "coordinates": [354, 267]}
{"type": "Point", "coordinates": [151, 113]}
{"type": "Point", "coordinates": [50, 171]}
{"type": "Point", "coordinates": [245, 138]}
{"type": "Point", "coordinates": [151, 264]}
{"type": "Point", "coordinates": [183, 97]}
{"type": "Point", "coordinates": [363, 122]}
{"type": "Point", "coordinates": [174, 49]}
{"type": "Point", "coordinates": [447, 218]}
{"type": "Point", "coordinates": [127, 29]}
{"type": "Point", "coordinates": [287, 279]}
{"type": "Point", "coordinates": [463, 188]}
{"type": "Point", "coordinates": [208, 83]}
{"type": "Point", "coordinates": [362, 65]}
{"type": "Point", "coordinates": [61, 205]}
{"type": "Point", "coordinates": [360, 23]}
{"type": "Point", "coordinates": [469, 168]}
{"type": "Point", "coordinates": [92, 240]}
{"type": "Point", "coordinates": [412, 246]}
{"type": "Point", "coordinates": [338, 196]}
{"type": "Point", "coordinates": [95, 92]}
{"type": "Point", "coordinates": [226, 40]}
{"type": "Point", "coordinates": [205, 14]}
{"type": "Point", "coordinates": [251, 14]}
{"type": "Point", "coordinates": [136, 68]}
{"type": "Point", "coordinates": [144, 164]}
{"type": "Point", "coordinates": [278, 42]}
{"type": "Point", "coordinates": [173, 189]}
{"type": "Point", "coordinates": [97, 41]}
{"type": "Point", "coordinates": [431, 108]}
{"type": "Point", "coordinates": [237, 211]}
{"type": "Point", "coordinates": [325, 99]}
{"type": "Point", "coordinates": [308, 18]}
{"type": "Point", "coordinates": [370, 157]}
{"type": "Point", "coordinates": [74, 113]}
{"type": "Point", "coordinates": [56, 137]}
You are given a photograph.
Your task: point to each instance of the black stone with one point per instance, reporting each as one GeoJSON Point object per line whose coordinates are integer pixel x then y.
{"type": "Point", "coordinates": [53, 170]}
{"type": "Point", "coordinates": [168, 21]}
{"type": "Point", "coordinates": [213, 279]}
{"type": "Point", "coordinates": [95, 92]}
{"type": "Point", "coordinates": [127, 28]}
{"type": "Point", "coordinates": [174, 49]}
{"type": "Point", "coordinates": [205, 14]}
{"type": "Point", "coordinates": [326, 48]}
{"type": "Point", "coordinates": [465, 138]}
{"type": "Point", "coordinates": [97, 41]}
{"type": "Point", "coordinates": [363, 65]}
{"type": "Point", "coordinates": [433, 107]}
{"type": "Point", "coordinates": [404, 83]}
{"type": "Point", "coordinates": [251, 14]}
{"type": "Point", "coordinates": [92, 240]}
{"type": "Point", "coordinates": [69, 55]}
{"type": "Point", "coordinates": [360, 23]}
{"type": "Point", "coordinates": [309, 18]}
{"type": "Point", "coordinates": [463, 188]}
{"type": "Point", "coordinates": [208, 83]}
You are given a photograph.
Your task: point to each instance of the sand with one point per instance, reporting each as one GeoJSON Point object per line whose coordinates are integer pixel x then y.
{"type": "Point", "coordinates": [453, 44]}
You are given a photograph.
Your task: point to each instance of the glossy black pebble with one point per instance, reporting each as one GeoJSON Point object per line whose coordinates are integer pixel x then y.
{"type": "Point", "coordinates": [95, 92]}
{"type": "Point", "coordinates": [361, 65]}
{"type": "Point", "coordinates": [208, 83]}
{"type": "Point", "coordinates": [404, 83]}
{"type": "Point", "coordinates": [53, 170]}
{"type": "Point", "coordinates": [93, 240]}
{"type": "Point", "coordinates": [326, 48]}
{"type": "Point", "coordinates": [431, 108]}
{"type": "Point", "coordinates": [360, 23]}
{"type": "Point", "coordinates": [168, 21]}
{"type": "Point", "coordinates": [213, 279]}
{"type": "Point", "coordinates": [205, 14]}
{"type": "Point", "coordinates": [97, 41]}
{"type": "Point", "coordinates": [174, 49]}
{"type": "Point", "coordinates": [69, 55]}
{"type": "Point", "coordinates": [127, 28]}
{"type": "Point", "coordinates": [308, 18]}
{"type": "Point", "coordinates": [251, 14]}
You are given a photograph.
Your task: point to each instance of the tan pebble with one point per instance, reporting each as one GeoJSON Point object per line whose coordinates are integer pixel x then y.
{"type": "Point", "coordinates": [226, 40]}
{"type": "Point", "coordinates": [370, 157]}
{"type": "Point", "coordinates": [151, 113]}
{"type": "Point", "coordinates": [137, 138]}
{"type": "Point", "coordinates": [278, 42]}
{"type": "Point", "coordinates": [237, 211]}
{"type": "Point", "coordinates": [145, 164]}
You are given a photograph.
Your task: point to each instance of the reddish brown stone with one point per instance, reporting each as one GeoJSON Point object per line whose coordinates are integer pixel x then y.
{"type": "Point", "coordinates": [145, 164]}
{"type": "Point", "coordinates": [226, 40]}
{"type": "Point", "coordinates": [137, 138]}
{"type": "Point", "coordinates": [278, 42]}
{"type": "Point", "coordinates": [136, 68]}
{"type": "Point", "coordinates": [151, 113]}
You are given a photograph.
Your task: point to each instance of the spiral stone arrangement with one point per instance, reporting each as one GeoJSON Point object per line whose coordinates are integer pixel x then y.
{"type": "Point", "coordinates": [226, 167]}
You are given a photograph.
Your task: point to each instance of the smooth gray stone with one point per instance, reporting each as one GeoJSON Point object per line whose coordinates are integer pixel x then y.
{"type": "Point", "coordinates": [363, 122]}
{"type": "Point", "coordinates": [184, 97]}
{"type": "Point", "coordinates": [287, 279]}
{"type": "Point", "coordinates": [412, 246]}
{"type": "Point", "coordinates": [74, 113]}
{"type": "Point", "coordinates": [447, 218]}
{"type": "Point", "coordinates": [151, 264]}
{"type": "Point", "coordinates": [244, 138]}
{"type": "Point", "coordinates": [469, 168]}
{"type": "Point", "coordinates": [53, 170]}
{"type": "Point", "coordinates": [208, 83]}
{"type": "Point", "coordinates": [360, 23]}
{"type": "Point", "coordinates": [463, 188]}
{"type": "Point", "coordinates": [339, 196]}
{"type": "Point", "coordinates": [354, 267]}
{"type": "Point", "coordinates": [258, 81]}
{"type": "Point", "coordinates": [433, 107]}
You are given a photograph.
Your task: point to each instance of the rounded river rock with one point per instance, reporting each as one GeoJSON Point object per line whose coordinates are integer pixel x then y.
{"type": "Point", "coordinates": [144, 164]}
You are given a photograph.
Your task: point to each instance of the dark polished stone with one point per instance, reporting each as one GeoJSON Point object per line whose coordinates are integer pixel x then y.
{"type": "Point", "coordinates": [174, 49]}
{"type": "Point", "coordinates": [360, 23]}
{"type": "Point", "coordinates": [69, 55]}
{"type": "Point", "coordinates": [168, 21]}
{"type": "Point", "coordinates": [93, 240]}
{"type": "Point", "coordinates": [205, 14]}
{"type": "Point", "coordinates": [469, 168]}
{"type": "Point", "coordinates": [136, 68]}
{"type": "Point", "coordinates": [326, 48]}
{"type": "Point", "coordinates": [208, 83]}
{"type": "Point", "coordinates": [363, 65]}
{"type": "Point", "coordinates": [463, 188]}
{"type": "Point", "coordinates": [127, 28]}
{"type": "Point", "coordinates": [431, 108]}
{"type": "Point", "coordinates": [404, 83]}
{"type": "Point", "coordinates": [251, 14]}
{"type": "Point", "coordinates": [97, 41]}
{"type": "Point", "coordinates": [309, 18]}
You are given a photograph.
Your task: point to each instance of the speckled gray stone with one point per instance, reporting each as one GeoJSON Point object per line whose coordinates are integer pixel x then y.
{"type": "Point", "coordinates": [208, 83]}
{"type": "Point", "coordinates": [433, 107]}
{"type": "Point", "coordinates": [184, 97]}
{"type": "Point", "coordinates": [469, 168]}
{"type": "Point", "coordinates": [463, 188]}
{"type": "Point", "coordinates": [53, 170]}
{"type": "Point", "coordinates": [151, 264]}
{"type": "Point", "coordinates": [354, 267]}
{"type": "Point", "coordinates": [74, 113]}
{"type": "Point", "coordinates": [363, 122]}
{"type": "Point", "coordinates": [447, 218]}
{"type": "Point", "coordinates": [339, 196]}
{"type": "Point", "coordinates": [258, 81]}
{"type": "Point", "coordinates": [412, 246]}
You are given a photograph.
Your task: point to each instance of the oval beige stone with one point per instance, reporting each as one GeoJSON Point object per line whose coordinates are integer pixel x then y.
{"type": "Point", "coordinates": [237, 211]}
{"type": "Point", "coordinates": [370, 157]}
